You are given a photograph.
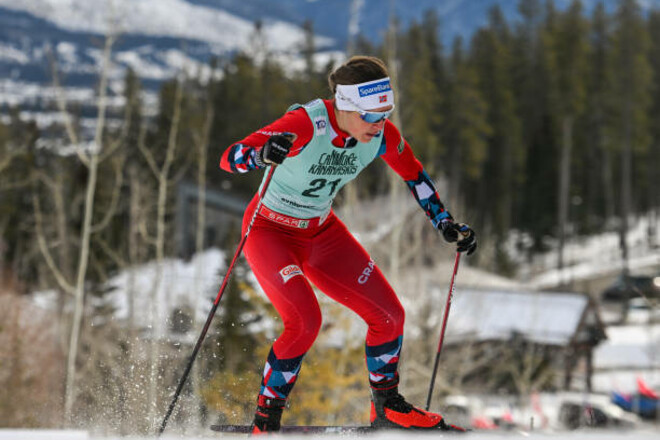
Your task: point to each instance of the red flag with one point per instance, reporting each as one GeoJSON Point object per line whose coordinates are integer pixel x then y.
{"type": "Point", "coordinates": [644, 390]}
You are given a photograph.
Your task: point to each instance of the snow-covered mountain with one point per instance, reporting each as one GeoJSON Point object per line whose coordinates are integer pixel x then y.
{"type": "Point", "coordinates": [158, 38]}
{"type": "Point", "coordinates": [178, 19]}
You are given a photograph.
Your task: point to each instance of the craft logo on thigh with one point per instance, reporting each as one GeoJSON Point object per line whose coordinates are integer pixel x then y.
{"type": "Point", "coordinates": [289, 272]}
{"type": "Point", "coordinates": [366, 273]}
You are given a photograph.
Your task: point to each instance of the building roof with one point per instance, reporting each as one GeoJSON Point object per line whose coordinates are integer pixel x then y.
{"type": "Point", "coordinates": [542, 317]}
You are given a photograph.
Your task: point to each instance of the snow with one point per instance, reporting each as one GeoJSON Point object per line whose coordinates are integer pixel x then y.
{"type": "Point", "coordinates": [183, 284]}
{"type": "Point", "coordinates": [25, 434]}
{"type": "Point", "coordinates": [42, 434]}
{"type": "Point", "coordinates": [167, 18]}
{"type": "Point", "coordinates": [12, 54]}
{"type": "Point", "coordinates": [630, 352]}
{"type": "Point", "coordinates": [597, 255]}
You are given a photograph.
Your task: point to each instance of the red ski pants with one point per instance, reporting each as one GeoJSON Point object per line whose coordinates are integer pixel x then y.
{"type": "Point", "coordinates": [285, 259]}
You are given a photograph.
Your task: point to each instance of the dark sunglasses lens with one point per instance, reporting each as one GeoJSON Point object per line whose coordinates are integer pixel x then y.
{"type": "Point", "coordinates": [373, 118]}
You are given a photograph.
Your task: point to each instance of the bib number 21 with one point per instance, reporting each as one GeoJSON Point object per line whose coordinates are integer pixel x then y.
{"type": "Point", "coordinates": [317, 185]}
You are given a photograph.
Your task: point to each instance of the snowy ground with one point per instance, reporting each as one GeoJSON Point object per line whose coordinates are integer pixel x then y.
{"type": "Point", "coordinates": [582, 435]}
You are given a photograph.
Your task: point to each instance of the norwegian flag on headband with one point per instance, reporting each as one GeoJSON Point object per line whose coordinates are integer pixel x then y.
{"type": "Point", "coordinates": [382, 98]}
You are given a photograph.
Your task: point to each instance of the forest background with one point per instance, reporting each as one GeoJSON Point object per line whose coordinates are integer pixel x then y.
{"type": "Point", "coordinates": [543, 127]}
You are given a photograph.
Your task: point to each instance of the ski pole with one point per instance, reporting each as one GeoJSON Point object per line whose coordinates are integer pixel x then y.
{"type": "Point", "coordinates": [239, 249]}
{"type": "Point", "coordinates": [442, 331]}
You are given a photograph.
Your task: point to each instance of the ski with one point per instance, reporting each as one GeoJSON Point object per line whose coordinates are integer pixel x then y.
{"type": "Point", "coordinates": [299, 429]}
{"type": "Point", "coordinates": [318, 429]}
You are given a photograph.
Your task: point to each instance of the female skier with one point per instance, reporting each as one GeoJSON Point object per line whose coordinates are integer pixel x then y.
{"type": "Point", "coordinates": [297, 239]}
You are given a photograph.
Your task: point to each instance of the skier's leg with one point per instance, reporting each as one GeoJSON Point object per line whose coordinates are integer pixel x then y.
{"type": "Point", "coordinates": [274, 258]}
{"type": "Point", "coordinates": [343, 270]}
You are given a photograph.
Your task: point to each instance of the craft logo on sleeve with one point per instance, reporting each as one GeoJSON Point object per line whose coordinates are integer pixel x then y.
{"type": "Point", "coordinates": [289, 272]}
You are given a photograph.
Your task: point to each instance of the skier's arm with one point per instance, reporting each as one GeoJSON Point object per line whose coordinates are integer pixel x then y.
{"type": "Point", "coordinates": [399, 156]}
{"type": "Point", "coordinates": [396, 152]}
{"type": "Point", "coordinates": [243, 156]}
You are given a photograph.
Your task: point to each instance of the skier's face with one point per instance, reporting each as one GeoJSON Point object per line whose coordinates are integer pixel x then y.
{"type": "Point", "coordinates": [354, 124]}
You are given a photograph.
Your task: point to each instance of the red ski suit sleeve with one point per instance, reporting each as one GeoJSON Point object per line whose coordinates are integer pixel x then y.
{"type": "Point", "coordinates": [399, 156]}
{"type": "Point", "coordinates": [239, 157]}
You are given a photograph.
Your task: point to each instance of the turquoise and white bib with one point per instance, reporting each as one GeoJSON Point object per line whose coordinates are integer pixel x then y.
{"type": "Point", "coordinates": [304, 186]}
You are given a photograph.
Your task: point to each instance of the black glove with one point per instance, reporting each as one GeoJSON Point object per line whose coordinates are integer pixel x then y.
{"type": "Point", "coordinates": [451, 232]}
{"type": "Point", "coordinates": [275, 149]}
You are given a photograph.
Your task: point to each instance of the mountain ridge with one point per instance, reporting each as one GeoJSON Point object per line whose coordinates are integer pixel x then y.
{"type": "Point", "coordinates": [160, 37]}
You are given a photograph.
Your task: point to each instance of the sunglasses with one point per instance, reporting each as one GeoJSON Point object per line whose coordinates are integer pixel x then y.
{"type": "Point", "coordinates": [375, 117]}
{"type": "Point", "coordinates": [366, 116]}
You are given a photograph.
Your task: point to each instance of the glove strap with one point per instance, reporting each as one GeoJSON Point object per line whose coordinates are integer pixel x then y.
{"type": "Point", "coordinates": [258, 160]}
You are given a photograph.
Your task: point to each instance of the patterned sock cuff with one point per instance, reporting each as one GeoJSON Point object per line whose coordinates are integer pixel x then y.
{"type": "Point", "coordinates": [383, 360]}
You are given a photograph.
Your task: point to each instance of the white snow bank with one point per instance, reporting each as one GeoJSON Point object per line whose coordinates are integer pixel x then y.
{"type": "Point", "coordinates": [475, 435]}
{"type": "Point", "coordinates": [182, 284]}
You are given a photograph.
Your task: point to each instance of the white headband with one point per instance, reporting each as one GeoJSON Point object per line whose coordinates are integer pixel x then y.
{"type": "Point", "coordinates": [364, 96]}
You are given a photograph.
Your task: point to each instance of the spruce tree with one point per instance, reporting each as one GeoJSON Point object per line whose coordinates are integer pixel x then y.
{"type": "Point", "coordinates": [420, 98]}
{"type": "Point", "coordinates": [567, 54]}
{"type": "Point", "coordinates": [632, 88]}
{"type": "Point", "coordinates": [491, 56]}
{"type": "Point", "coordinates": [653, 162]}
{"type": "Point", "coordinates": [466, 128]}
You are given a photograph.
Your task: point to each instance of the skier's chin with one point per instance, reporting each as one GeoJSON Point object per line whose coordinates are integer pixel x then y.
{"type": "Point", "coordinates": [367, 137]}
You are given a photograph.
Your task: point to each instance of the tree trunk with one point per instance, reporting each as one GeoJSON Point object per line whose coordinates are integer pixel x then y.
{"type": "Point", "coordinates": [394, 180]}
{"type": "Point", "coordinates": [83, 261]}
{"type": "Point", "coordinates": [564, 190]}
{"type": "Point", "coordinates": [163, 182]}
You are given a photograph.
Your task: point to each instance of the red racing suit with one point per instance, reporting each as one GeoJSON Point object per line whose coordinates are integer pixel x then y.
{"type": "Point", "coordinates": [288, 258]}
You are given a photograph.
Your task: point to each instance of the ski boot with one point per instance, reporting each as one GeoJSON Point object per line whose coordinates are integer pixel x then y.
{"type": "Point", "coordinates": [389, 410]}
{"type": "Point", "coordinates": [267, 416]}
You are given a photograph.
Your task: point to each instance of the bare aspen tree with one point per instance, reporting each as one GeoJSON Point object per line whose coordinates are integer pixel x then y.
{"type": "Point", "coordinates": [162, 175]}
{"type": "Point", "coordinates": [74, 283]}
{"type": "Point", "coordinates": [92, 162]}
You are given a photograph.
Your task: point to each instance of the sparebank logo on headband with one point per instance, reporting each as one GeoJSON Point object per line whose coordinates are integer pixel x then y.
{"type": "Point", "coordinates": [372, 89]}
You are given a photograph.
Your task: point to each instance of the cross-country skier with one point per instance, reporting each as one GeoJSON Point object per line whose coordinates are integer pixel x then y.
{"type": "Point", "coordinates": [296, 238]}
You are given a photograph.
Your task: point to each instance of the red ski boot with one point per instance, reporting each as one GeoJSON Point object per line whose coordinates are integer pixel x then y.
{"type": "Point", "coordinates": [389, 410]}
{"type": "Point", "coordinates": [268, 414]}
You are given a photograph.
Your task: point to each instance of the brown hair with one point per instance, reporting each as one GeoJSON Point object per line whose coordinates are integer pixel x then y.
{"type": "Point", "coordinates": [356, 70]}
